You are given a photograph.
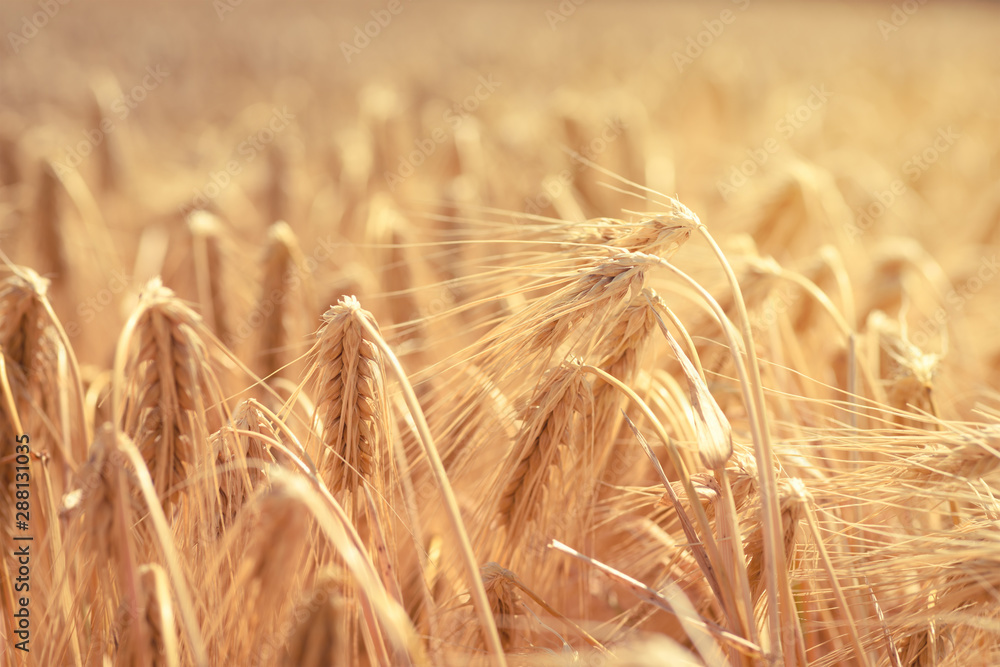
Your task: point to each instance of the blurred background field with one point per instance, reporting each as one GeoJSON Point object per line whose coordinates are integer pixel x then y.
{"type": "Point", "coordinates": [682, 127]}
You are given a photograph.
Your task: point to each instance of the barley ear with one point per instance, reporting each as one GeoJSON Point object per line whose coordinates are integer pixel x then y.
{"type": "Point", "coordinates": [348, 380]}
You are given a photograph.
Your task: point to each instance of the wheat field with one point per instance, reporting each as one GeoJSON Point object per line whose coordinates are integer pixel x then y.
{"type": "Point", "coordinates": [550, 333]}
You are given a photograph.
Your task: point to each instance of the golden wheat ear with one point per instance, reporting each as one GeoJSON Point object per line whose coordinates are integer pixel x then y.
{"type": "Point", "coordinates": [286, 279]}
{"type": "Point", "coordinates": [321, 637]}
{"type": "Point", "coordinates": [552, 427]}
{"type": "Point", "coordinates": [105, 91]}
{"type": "Point", "coordinates": [208, 241]}
{"type": "Point", "coordinates": [167, 394]}
{"type": "Point", "coordinates": [28, 358]}
{"type": "Point", "coordinates": [41, 407]}
{"type": "Point", "coordinates": [242, 459]}
{"type": "Point", "coordinates": [100, 511]}
{"type": "Point", "coordinates": [52, 258]}
{"type": "Point", "coordinates": [621, 354]}
{"type": "Point", "coordinates": [348, 380]}
{"type": "Point", "coordinates": [151, 640]}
